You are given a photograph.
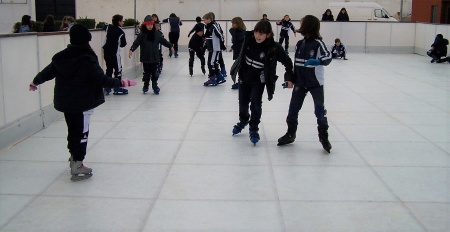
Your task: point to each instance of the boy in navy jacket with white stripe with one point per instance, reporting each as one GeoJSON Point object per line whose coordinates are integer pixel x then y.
{"type": "Point", "coordinates": [284, 32]}
{"type": "Point", "coordinates": [311, 55]}
{"type": "Point", "coordinates": [214, 39]}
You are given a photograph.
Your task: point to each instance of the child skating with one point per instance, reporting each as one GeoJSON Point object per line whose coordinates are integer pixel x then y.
{"type": "Point", "coordinates": [149, 40]}
{"type": "Point", "coordinates": [338, 50]}
{"type": "Point", "coordinates": [311, 55]}
{"type": "Point", "coordinates": [196, 48]}
{"type": "Point", "coordinates": [256, 67]}
{"type": "Point", "coordinates": [284, 32]}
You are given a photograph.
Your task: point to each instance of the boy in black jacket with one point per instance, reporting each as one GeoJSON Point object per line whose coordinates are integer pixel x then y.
{"type": "Point", "coordinates": [284, 32]}
{"type": "Point", "coordinates": [256, 66]}
{"type": "Point", "coordinates": [115, 40]}
{"type": "Point", "coordinates": [79, 80]}
{"type": "Point", "coordinates": [439, 50]}
{"type": "Point", "coordinates": [311, 55]}
{"type": "Point", "coordinates": [196, 47]}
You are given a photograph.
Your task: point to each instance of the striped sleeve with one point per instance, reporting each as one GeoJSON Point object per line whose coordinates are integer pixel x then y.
{"type": "Point", "coordinates": [324, 54]}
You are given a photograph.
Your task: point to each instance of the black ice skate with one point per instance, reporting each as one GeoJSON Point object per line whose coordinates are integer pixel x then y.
{"type": "Point", "coordinates": [203, 69]}
{"type": "Point", "coordinates": [191, 71]}
{"type": "Point", "coordinates": [288, 138]}
{"type": "Point", "coordinates": [323, 138]}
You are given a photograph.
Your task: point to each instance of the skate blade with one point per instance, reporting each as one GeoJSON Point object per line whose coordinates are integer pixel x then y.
{"type": "Point", "coordinates": [80, 177]}
{"type": "Point", "coordinates": [220, 82]}
{"type": "Point", "coordinates": [120, 93]}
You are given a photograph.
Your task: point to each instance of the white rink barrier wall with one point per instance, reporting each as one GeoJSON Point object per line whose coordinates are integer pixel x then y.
{"type": "Point", "coordinates": [22, 56]}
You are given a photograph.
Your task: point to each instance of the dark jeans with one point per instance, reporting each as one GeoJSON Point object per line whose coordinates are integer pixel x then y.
{"type": "Point", "coordinates": [200, 55]}
{"type": "Point", "coordinates": [251, 94]}
{"type": "Point", "coordinates": [283, 37]}
{"type": "Point", "coordinates": [77, 133]}
{"type": "Point", "coordinates": [297, 99]}
{"type": "Point", "coordinates": [150, 71]}
{"type": "Point", "coordinates": [173, 39]}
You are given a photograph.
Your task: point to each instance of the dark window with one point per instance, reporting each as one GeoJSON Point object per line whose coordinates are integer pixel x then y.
{"type": "Point", "coordinates": [434, 9]}
{"type": "Point", "coordinates": [57, 8]}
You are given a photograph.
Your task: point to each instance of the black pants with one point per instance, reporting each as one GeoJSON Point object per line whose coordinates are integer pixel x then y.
{"type": "Point", "coordinates": [150, 72]}
{"type": "Point", "coordinates": [200, 55]}
{"type": "Point", "coordinates": [251, 94]}
{"type": "Point", "coordinates": [113, 64]}
{"type": "Point", "coordinates": [213, 65]}
{"type": "Point", "coordinates": [297, 99]}
{"type": "Point", "coordinates": [77, 133]}
{"type": "Point", "coordinates": [173, 39]}
{"type": "Point", "coordinates": [284, 36]}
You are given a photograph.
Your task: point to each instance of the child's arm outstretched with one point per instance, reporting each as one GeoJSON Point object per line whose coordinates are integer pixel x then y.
{"type": "Point", "coordinates": [136, 44]}
{"type": "Point", "coordinates": [48, 73]}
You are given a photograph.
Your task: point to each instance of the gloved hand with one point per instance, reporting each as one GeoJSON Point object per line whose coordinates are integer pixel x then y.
{"type": "Point", "coordinates": [312, 62]}
{"type": "Point", "coordinates": [126, 82]}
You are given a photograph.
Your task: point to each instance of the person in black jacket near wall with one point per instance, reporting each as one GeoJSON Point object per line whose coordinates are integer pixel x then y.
{"type": "Point", "coordinates": [115, 40]}
{"type": "Point", "coordinates": [256, 67]}
{"type": "Point", "coordinates": [311, 55]}
{"type": "Point", "coordinates": [327, 16]}
{"type": "Point", "coordinates": [79, 82]}
{"type": "Point", "coordinates": [342, 16]}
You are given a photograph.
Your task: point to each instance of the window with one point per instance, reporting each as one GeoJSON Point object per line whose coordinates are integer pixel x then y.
{"type": "Point", "coordinates": [434, 9]}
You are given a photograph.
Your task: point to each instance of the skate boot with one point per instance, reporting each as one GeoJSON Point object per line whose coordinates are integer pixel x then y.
{"type": "Point", "coordinates": [170, 53]}
{"type": "Point", "coordinates": [220, 79]}
{"type": "Point", "coordinates": [323, 138]}
{"type": "Point", "coordinates": [70, 161]}
{"type": "Point", "coordinates": [145, 88]}
{"type": "Point", "coordinates": [223, 71]}
{"type": "Point", "coordinates": [238, 127]}
{"type": "Point", "coordinates": [176, 54]}
{"type": "Point", "coordinates": [155, 88]}
{"type": "Point", "coordinates": [254, 136]}
{"type": "Point", "coordinates": [120, 91]}
{"type": "Point", "coordinates": [79, 171]}
{"type": "Point", "coordinates": [235, 86]}
{"type": "Point", "coordinates": [211, 81]}
{"type": "Point", "coordinates": [288, 138]}
{"type": "Point", "coordinates": [203, 69]}
{"type": "Point", "coordinates": [107, 91]}
{"type": "Point", "coordinates": [191, 71]}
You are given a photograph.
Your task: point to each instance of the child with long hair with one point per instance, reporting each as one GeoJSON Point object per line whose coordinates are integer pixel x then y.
{"type": "Point", "coordinates": [149, 40]}
{"type": "Point", "coordinates": [311, 55]}
{"type": "Point", "coordinates": [256, 67]}
{"type": "Point", "coordinates": [237, 32]}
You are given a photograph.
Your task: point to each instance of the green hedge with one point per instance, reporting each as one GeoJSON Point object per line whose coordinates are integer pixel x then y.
{"type": "Point", "coordinates": [89, 23]}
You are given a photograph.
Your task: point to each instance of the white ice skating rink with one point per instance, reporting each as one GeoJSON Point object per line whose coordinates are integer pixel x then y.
{"type": "Point", "coordinates": [168, 162]}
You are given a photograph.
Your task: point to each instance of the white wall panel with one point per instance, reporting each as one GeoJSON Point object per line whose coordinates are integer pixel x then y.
{"type": "Point", "coordinates": [378, 34]}
{"type": "Point", "coordinates": [403, 34]}
{"type": "Point", "coordinates": [19, 66]}
{"type": "Point", "coordinates": [353, 33]}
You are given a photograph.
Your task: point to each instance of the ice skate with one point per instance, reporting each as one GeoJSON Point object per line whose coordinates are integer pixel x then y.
{"type": "Point", "coordinates": [145, 88]}
{"type": "Point", "coordinates": [191, 71]}
{"type": "Point", "coordinates": [176, 54]}
{"type": "Point", "coordinates": [203, 69]}
{"type": "Point", "coordinates": [107, 91]}
{"type": "Point", "coordinates": [238, 127]}
{"type": "Point", "coordinates": [288, 138]}
{"type": "Point", "coordinates": [79, 171]}
{"type": "Point", "coordinates": [211, 81]}
{"type": "Point", "coordinates": [170, 53]}
{"type": "Point", "coordinates": [120, 91]}
{"type": "Point", "coordinates": [223, 71]}
{"type": "Point", "coordinates": [254, 136]}
{"type": "Point", "coordinates": [155, 88]}
{"type": "Point", "coordinates": [220, 79]}
{"type": "Point", "coordinates": [323, 138]}
{"type": "Point", "coordinates": [235, 86]}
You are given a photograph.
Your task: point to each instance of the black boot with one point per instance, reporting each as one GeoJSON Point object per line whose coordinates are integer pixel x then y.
{"type": "Point", "coordinates": [323, 138]}
{"type": "Point", "coordinates": [191, 71]}
{"type": "Point", "coordinates": [288, 138]}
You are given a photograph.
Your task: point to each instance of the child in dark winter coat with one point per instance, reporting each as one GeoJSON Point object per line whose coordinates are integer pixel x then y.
{"type": "Point", "coordinates": [256, 67]}
{"type": "Point", "coordinates": [438, 50]}
{"type": "Point", "coordinates": [149, 40]}
{"type": "Point", "coordinates": [342, 16]}
{"type": "Point", "coordinates": [284, 32]}
{"type": "Point", "coordinates": [196, 48]}
{"type": "Point", "coordinates": [338, 49]}
{"type": "Point", "coordinates": [327, 16]}
{"type": "Point", "coordinates": [311, 55]}
{"type": "Point", "coordinates": [237, 32]}
{"type": "Point", "coordinates": [115, 40]}
{"type": "Point", "coordinates": [78, 90]}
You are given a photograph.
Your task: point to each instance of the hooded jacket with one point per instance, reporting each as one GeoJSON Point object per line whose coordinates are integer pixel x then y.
{"type": "Point", "coordinates": [275, 53]}
{"type": "Point", "coordinates": [79, 79]}
{"type": "Point", "coordinates": [440, 45]}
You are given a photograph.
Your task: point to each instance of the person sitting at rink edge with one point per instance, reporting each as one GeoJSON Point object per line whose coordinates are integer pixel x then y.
{"type": "Point", "coordinates": [438, 51]}
{"type": "Point", "coordinates": [338, 49]}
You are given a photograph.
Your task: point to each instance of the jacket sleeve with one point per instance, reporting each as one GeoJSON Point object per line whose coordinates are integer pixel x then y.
{"type": "Point", "coordinates": [293, 28]}
{"type": "Point", "coordinates": [100, 78]}
{"type": "Point", "coordinates": [123, 39]}
{"type": "Point", "coordinates": [325, 58]}
{"type": "Point", "coordinates": [284, 59]}
{"type": "Point", "coordinates": [165, 20]}
{"type": "Point", "coordinates": [137, 42]}
{"type": "Point", "coordinates": [192, 31]}
{"type": "Point", "coordinates": [48, 73]}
